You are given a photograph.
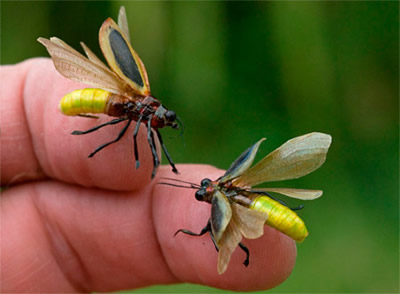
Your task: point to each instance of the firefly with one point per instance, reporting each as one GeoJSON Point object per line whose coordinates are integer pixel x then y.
{"type": "Point", "coordinates": [122, 89]}
{"type": "Point", "coordinates": [238, 210]}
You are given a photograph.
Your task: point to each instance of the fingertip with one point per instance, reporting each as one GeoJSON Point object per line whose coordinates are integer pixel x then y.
{"type": "Point", "coordinates": [57, 153]}
{"type": "Point", "coordinates": [194, 259]}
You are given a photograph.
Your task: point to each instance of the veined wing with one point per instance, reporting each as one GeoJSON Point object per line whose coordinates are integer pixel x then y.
{"type": "Point", "coordinates": [73, 65]}
{"type": "Point", "coordinates": [304, 194]}
{"type": "Point", "coordinates": [92, 57]}
{"type": "Point", "coordinates": [123, 23]}
{"type": "Point", "coordinates": [245, 222]}
{"type": "Point", "coordinates": [250, 222]}
{"type": "Point", "coordinates": [294, 159]}
{"type": "Point", "coordinates": [242, 163]}
{"type": "Point", "coordinates": [122, 59]}
{"type": "Point", "coordinates": [228, 243]}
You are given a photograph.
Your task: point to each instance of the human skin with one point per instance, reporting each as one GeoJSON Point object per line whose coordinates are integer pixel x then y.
{"type": "Point", "coordinates": [73, 224]}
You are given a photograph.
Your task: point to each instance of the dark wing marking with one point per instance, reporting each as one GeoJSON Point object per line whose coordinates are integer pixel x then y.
{"type": "Point", "coordinates": [122, 59]}
{"type": "Point", "coordinates": [242, 163]}
{"type": "Point", "coordinates": [221, 214]}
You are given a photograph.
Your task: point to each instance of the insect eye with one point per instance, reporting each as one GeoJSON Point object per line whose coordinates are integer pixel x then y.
{"type": "Point", "coordinates": [205, 182]}
{"type": "Point", "coordinates": [130, 106]}
{"type": "Point", "coordinates": [200, 194]}
{"type": "Point", "coordinates": [170, 115]}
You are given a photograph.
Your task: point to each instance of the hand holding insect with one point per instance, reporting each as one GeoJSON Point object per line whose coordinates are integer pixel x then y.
{"type": "Point", "coordinates": [100, 239]}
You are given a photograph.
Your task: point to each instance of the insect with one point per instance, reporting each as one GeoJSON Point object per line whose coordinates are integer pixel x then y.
{"type": "Point", "coordinates": [238, 210]}
{"type": "Point", "coordinates": [123, 89]}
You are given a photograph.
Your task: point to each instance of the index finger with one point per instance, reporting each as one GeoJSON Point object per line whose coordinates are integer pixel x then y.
{"type": "Point", "coordinates": [36, 138]}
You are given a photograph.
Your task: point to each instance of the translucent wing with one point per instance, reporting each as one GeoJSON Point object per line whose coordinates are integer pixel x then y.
{"type": "Point", "coordinates": [92, 57]}
{"type": "Point", "coordinates": [245, 222]}
{"type": "Point", "coordinates": [73, 65]}
{"type": "Point", "coordinates": [228, 244]}
{"type": "Point", "coordinates": [250, 222]}
{"type": "Point", "coordinates": [242, 163]}
{"type": "Point", "coordinates": [303, 194]}
{"type": "Point", "coordinates": [294, 159]}
{"type": "Point", "coordinates": [123, 23]}
{"type": "Point", "coordinates": [221, 214]}
{"type": "Point", "coordinates": [122, 59]}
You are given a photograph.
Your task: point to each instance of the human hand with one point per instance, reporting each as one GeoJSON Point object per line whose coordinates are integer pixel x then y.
{"type": "Point", "coordinates": [73, 224]}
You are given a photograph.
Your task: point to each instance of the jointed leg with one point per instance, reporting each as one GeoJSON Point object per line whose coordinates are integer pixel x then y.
{"type": "Point", "coordinates": [113, 141]}
{"type": "Point", "coordinates": [270, 196]}
{"type": "Point", "coordinates": [150, 139]}
{"type": "Point", "coordinates": [135, 141]}
{"type": "Point", "coordinates": [187, 232]}
{"type": "Point", "coordinates": [301, 206]}
{"type": "Point", "coordinates": [171, 163]}
{"type": "Point", "coordinates": [276, 199]}
{"type": "Point", "coordinates": [245, 249]}
{"type": "Point", "coordinates": [206, 229]}
{"type": "Point", "coordinates": [112, 122]}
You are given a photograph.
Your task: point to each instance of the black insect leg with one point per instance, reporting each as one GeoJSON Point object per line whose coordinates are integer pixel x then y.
{"type": "Point", "coordinates": [245, 249]}
{"type": "Point", "coordinates": [113, 141]}
{"type": "Point", "coordinates": [171, 163]}
{"type": "Point", "coordinates": [298, 207]}
{"type": "Point", "coordinates": [278, 200]}
{"type": "Point", "coordinates": [88, 115]}
{"type": "Point", "coordinates": [150, 139]}
{"type": "Point", "coordinates": [112, 122]}
{"type": "Point", "coordinates": [135, 141]}
{"type": "Point", "coordinates": [206, 229]}
{"type": "Point", "coordinates": [187, 232]}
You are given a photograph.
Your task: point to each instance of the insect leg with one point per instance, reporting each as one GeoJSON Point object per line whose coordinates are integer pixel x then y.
{"type": "Point", "coordinates": [88, 115]}
{"type": "Point", "coordinates": [112, 122]}
{"type": "Point", "coordinates": [135, 141]}
{"type": "Point", "coordinates": [113, 141]}
{"type": "Point", "coordinates": [171, 163]}
{"type": "Point", "coordinates": [187, 232]}
{"type": "Point", "coordinates": [150, 139]}
{"type": "Point", "coordinates": [206, 229]}
{"type": "Point", "coordinates": [298, 207]}
{"type": "Point", "coordinates": [245, 249]}
{"type": "Point", "coordinates": [269, 195]}
{"type": "Point", "coordinates": [276, 199]}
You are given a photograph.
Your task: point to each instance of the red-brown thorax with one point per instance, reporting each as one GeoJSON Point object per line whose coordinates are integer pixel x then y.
{"type": "Point", "coordinates": [136, 107]}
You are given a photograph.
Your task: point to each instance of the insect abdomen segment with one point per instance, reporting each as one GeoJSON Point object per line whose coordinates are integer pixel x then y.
{"type": "Point", "coordinates": [85, 101]}
{"type": "Point", "coordinates": [281, 217]}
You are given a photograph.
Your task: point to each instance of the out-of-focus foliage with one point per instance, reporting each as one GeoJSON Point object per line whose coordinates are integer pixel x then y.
{"type": "Point", "coordinates": [238, 71]}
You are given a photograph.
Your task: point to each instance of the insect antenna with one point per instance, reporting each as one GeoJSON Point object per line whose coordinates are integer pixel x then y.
{"type": "Point", "coordinates": [191, 185]}
{"type": "Point", "coordinates": [182, 181]}
{"type": "Point", "coordinates": [176, 185]}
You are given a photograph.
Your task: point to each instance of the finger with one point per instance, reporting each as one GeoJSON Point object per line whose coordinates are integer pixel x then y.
{"type": "Point", "coordinates": [37, 142]}
{"type": "Point", "coordinates": [94, 240]}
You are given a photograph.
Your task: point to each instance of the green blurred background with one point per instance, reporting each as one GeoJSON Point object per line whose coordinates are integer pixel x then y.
{"type": "Point", "coordinates": [238, 71]}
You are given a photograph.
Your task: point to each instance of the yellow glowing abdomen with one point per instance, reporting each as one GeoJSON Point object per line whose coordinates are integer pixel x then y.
{"type": "Point", "coordinates": [281, 218]}
{"type": "Point", "coordinates": [85, 101]}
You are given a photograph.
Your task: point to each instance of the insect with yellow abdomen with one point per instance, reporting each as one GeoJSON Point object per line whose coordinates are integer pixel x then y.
{"type": "Point", "coordinates": [238, 210]}
{"type": "Point", "coordinates": [123, 91]}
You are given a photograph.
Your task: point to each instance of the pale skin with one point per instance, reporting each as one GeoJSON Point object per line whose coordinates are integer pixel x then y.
{"type": "Point", "coordinates": [73, 224]}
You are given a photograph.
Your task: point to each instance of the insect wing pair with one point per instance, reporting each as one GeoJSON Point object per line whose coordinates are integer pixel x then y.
{"type": "Point", "coordinates": [123, 91]}
{"type": "Point", "coordinates": [238, 210]}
